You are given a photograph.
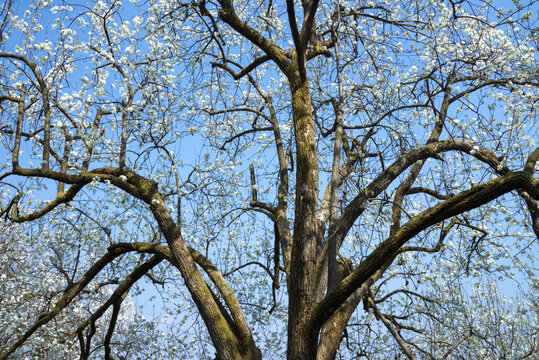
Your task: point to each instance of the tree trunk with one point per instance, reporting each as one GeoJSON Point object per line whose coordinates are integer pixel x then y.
{"type": "Point", "coordinates": [306, 233]}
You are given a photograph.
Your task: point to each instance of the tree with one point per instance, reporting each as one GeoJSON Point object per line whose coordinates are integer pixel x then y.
{"type": "Point", "coordinates": [360, 171]}
{"type": "Point", "coordinates": [30, 284]}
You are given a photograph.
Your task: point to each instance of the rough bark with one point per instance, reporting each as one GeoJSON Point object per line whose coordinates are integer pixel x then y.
{"type": "Point", "coordinates": [303, 258]}
{"type": "Point", "coordinates": [457, 204]}
{"type": "Point", "coordinates": [224, 337]}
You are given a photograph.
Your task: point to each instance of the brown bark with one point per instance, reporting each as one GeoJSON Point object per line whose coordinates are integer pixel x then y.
{"type": "Point", "coordinates": [457, 204]}
{"type": "Point", "coordinates": [306, 233]}
{"type": "Point", "coordinates": [333, 329]}
{"type": "Point", "coordinates": [231, 340]}
{"type": "Point", "coordinates": [224, 337]}
{"type": "Point", "coordinates": [228, 328]}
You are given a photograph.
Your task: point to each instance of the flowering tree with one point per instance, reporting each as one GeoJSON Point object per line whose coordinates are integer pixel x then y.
{"type": "Point", "coordinates": [315, 179]}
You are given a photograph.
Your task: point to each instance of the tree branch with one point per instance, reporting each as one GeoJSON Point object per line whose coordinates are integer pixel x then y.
{"type": "Point", "coordinates": [421, 189]}
{"type": "Point", "coordinates": [386, 323]}
{"type": "Point", "coordinates": [462, 202]}
{"type": "Point", "coordinates": [61, 198]}
{"type": "Point", "coordinates": [69, 294]}
{"type": "Point", "coordinates": [239, 321]}
{"type": "Point", "coordinates": [119, 293]}
{"type": "Point", "coordinates": [244, 71]}
{"type": "Point", "coordinates": [229, 16]}
{"type": "Point", "coordinates": [43, 88]}
{"type": "Point", "coordinates": [300, 51]}
{"type": "Point", "coordinates": [20, 119]}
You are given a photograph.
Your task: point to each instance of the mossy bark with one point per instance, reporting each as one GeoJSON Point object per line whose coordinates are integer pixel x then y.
{"type": "Point", "coordinates": [306, 227]}
{"type": "Point", "coordinates": [231, 343]}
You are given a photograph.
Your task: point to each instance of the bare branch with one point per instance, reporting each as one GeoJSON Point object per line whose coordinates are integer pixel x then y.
{"type": "Point", "coordinates": [61, 198]}
{"type": "Point", "coordinates": [119, 293]}
{"type": "Point", "coordinates": [46, 103]}
{"type": "Point", "coordinates": [245, 132]}
{"type": "Point", "coordinates": [257, 263]}
{"type": "Point", "coordinates": [395, 335]}
{"type": "Point", "coordinates": [422, 189]}
{"type": "Point", "coordinates": [244, 71]}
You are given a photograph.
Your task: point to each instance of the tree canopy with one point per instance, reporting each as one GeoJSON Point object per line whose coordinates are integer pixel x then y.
{"type": "Point", "coordinates": [269, 179]}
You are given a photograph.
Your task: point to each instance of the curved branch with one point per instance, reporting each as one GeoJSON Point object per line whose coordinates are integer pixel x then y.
{"type": "Point", "coordinates": [43, 88]}
{"type": "Point", "coordinates": [226, 292]}
{"type": "Point", "coordinates": [243, 133]}
{"type": "Point", "coordinates": [395, 335]}
{"type": "Point", "coordinates": [404, 291]}
{"type": "Point", "coordinates": [69, 294]}
{"type": "Point", "coordinates": [132, 183]}
{"type": "Point", "coordinates": [462, 202]}
{"type": "Point", "coordinates": [120, 292]}
{"type": "Point", "coordinates": [278, 55]}
{"type": "Point", "coordinates": [356, 207]}
{"type": "Point", "coordinates": [244, 71]}
{"type": "Point", "coordinates": [421, 189]}
{"type": "Point", "coordinates": [251, 263]}
{"type": "Point", "coordinates": [214, 274]}
{"type": "Point", "coordinates": [489, 82]}
{"type": "Point", "coordinates": [61, 198]}
{"type": "Point", "coordinates": [266, 208]}
{"type": "Point", "coordinates": [407, 183]}
{"type": "Point", "coordinates": [221, 331]}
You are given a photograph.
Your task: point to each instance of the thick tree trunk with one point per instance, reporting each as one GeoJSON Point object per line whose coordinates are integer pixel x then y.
{"type": "Point", "coordinates": [306, 228]}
